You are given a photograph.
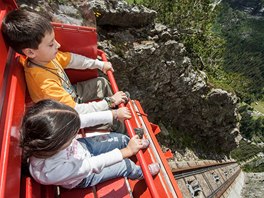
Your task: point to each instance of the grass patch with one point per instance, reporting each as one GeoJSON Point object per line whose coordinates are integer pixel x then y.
{"type": "Point", "coordinates": [134, 1]}
{"type": "Point", "coordinates": [259, 106]}
{"type": "Point", "coordinates": [257, 165]}
{"type": "Point", "coordinates": [245, 151]}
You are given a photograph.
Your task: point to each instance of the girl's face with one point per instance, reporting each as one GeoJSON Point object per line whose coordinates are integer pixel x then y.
{"type": "Point", "coordinates": [46, 51]}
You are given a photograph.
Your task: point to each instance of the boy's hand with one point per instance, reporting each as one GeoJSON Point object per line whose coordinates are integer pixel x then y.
{"type": "Point", "coordinates": [119, 97]}
{"type": "Point", "coordinates": [107, 66]}
{"type": "Point", "coordinates": [134, 145]}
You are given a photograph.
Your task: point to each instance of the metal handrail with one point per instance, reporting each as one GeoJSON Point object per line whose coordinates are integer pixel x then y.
{"type": "Point", "coordinates": [148, 177]}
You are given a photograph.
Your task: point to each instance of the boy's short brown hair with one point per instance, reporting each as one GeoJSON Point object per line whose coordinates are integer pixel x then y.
{"type": "Point", "coordinates": [23, 29]}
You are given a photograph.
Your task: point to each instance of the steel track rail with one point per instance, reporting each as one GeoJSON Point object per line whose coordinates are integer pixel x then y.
{"type": "Point", "coordinates": [181, 173]}
{"type": "Point", "coordinates": [221, 189]}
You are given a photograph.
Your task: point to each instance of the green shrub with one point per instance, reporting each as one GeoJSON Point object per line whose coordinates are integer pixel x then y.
{"type": "Point", "coordinates": [251, 126]}
{"type": "Point", "coordinates": [245, 151]}
{"type": "Point", "coordinates": [257, 165]}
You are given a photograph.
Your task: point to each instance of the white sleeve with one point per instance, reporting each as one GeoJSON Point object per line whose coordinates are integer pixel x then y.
{"type": "Point", "coordinates": [95, 118]}
{"type": "Point", "coordinates": [97, 163]}
{"type": "Point", "coordinates": [91, 107]}
{"type": "Point", "coordinates": [65, 172]}
{"type": "Point", "coordinates": [82, 62]}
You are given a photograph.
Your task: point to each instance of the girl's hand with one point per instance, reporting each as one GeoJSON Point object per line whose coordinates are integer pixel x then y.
{"type": "Point", "coordinates": [107, 66]}
{"type": "Point", "coordinates": [134, 145]}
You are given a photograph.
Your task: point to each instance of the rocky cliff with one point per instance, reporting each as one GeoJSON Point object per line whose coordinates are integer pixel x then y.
{"type": "Point", "coordinates": [152, 64]}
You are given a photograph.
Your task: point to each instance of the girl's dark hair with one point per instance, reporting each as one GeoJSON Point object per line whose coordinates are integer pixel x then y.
{"type": "Point", "coordinates": [23, 29]}
{"type": "Point", "coordinates": [47, 126]}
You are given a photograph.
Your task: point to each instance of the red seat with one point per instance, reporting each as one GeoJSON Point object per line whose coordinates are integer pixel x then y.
{"type": "Point", "coordinates": [80, 40]}
{"type": "Point", "coordinates": [112, 188]}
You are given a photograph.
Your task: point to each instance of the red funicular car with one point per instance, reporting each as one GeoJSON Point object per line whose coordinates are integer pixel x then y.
{"type": "Point", "coordinates": [14, 100]}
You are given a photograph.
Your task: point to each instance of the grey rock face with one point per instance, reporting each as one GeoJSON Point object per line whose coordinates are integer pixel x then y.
{"type": "Point", "coordinates": [157, 71]}
{"type": "Point", "coordinates": [119, 13]}
{"type": "Point", "coordinates": [253, 185]}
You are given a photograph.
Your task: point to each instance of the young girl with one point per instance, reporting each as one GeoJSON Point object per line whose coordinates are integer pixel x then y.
{"type": "Point", "coordinates": [56, 157]}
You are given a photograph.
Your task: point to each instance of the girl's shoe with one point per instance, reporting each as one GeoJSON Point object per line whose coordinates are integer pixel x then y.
{"type": "Point", "coordinates": [154, 168]}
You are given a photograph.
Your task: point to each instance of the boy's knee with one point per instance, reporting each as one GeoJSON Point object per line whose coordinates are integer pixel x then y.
{"type": "Point", "coordinates": [104, 86]}
{"type": "Point", "coordinates": [103, 81]}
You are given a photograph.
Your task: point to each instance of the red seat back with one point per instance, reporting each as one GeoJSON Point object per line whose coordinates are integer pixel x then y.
{"type": "Point", "coordinates": [79, 40]}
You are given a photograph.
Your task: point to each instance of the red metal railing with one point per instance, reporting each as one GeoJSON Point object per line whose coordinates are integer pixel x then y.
{"type": "Point", "coordinates": [131, 133]}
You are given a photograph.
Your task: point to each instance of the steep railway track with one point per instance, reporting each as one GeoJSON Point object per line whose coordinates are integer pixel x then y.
{"type": "Point", "coordinates": [185, 172]}
{"type": "Point", "coordinates": [208, 180]}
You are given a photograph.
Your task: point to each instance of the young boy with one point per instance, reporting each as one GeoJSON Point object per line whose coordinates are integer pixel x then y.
{"type": "Point", "coordinates": [32, 35]}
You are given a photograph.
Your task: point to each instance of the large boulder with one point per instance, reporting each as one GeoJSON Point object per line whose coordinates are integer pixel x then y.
{"type": "Point", "coordinates": [120, 13]}
{"type": "Point", "coordinates": [153, 66]}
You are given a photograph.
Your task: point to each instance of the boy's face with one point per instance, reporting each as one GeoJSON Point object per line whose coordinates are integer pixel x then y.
{"type": "Point", "coordinates": [46, 51]}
